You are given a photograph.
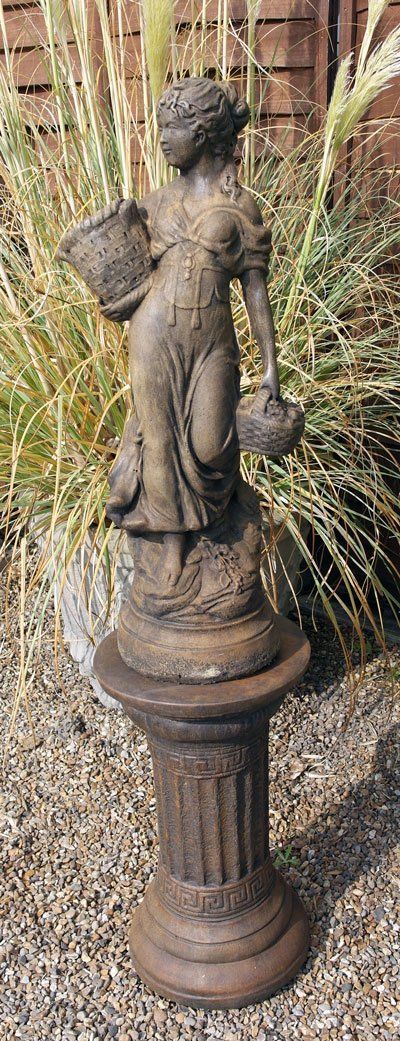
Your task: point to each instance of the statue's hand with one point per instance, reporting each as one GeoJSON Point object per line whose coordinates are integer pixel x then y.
{"type": "Point", "coordinates": [269, 386]}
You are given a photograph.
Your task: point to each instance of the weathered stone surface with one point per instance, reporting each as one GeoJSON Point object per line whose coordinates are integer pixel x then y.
{"type": "Point", "coordinates": [215, 623]}
{"type": "Point", "coordinates": [196, 610]}
{"type": "Point", "coordinates": [219, 927]}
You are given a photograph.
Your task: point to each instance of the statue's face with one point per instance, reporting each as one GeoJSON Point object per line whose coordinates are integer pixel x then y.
{"type": "Point", "coordinates": [181, 144]}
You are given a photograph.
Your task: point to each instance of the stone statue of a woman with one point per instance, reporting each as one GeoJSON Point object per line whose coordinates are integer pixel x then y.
{"type": "Point", "coordinates": [196, 609]}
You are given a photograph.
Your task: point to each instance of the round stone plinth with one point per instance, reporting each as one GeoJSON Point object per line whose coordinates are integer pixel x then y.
{"type": "Point", "coordinates": [140, 693]}
{"type": "Point", "coordinates": [199, 653]}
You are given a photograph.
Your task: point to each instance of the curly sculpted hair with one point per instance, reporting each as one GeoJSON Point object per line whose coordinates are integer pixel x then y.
{"type": "Point", "coordinates": [216, 109]}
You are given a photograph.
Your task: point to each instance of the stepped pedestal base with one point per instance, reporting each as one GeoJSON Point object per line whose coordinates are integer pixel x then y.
{"type": "Point", "coordinates": [218, 927]}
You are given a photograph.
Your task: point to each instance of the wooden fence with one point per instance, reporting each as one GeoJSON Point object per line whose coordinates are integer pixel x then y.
{"type": "Point", "coordinates": [298, 41]}
{"type": "Point", "coordinates": [291, 39]}
{"type": "Point", "coordinates": [382, 126]}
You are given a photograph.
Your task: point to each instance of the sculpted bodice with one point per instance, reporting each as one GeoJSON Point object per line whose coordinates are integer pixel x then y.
{"type": "Point", "coordinates": [197, 256]}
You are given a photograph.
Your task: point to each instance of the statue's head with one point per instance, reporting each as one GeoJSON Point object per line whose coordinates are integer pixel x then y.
{"type": "Point", "coordinates": [196, 115]}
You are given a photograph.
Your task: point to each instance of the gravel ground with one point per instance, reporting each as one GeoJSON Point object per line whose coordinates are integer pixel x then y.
{"type": "Point", "coordinates": [80, 847]}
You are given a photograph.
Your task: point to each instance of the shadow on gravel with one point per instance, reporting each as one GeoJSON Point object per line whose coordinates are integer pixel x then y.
{"type": "Point", "coordinates": [351, 838]}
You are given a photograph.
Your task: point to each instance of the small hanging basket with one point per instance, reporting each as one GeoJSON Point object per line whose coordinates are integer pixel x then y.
{"type": "Point", "coordinates": [272, 429]}
{"type": "Point", "coordinates": [111, 252]}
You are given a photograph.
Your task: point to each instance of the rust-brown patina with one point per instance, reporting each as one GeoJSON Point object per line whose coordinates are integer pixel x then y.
{"type": "Point", "coordinates": [199, 660]}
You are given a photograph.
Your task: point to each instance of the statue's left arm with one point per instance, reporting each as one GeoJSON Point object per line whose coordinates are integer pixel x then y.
{"type": "Point", "coordinates": [257, 242]}
{"type": "Point", "coordinates": [261, 321]}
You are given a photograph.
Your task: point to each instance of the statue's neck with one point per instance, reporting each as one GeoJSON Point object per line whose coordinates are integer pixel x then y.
{"type": "Point", "coordinates": [205, 177]}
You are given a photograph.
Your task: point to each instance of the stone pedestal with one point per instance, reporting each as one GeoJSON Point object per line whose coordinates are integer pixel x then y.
{"type": "Point", "coordinates": [218, 927]}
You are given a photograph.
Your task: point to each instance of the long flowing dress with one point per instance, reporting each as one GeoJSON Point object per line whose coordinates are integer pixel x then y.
{"type": "Point", "coordinates": [184, 365]}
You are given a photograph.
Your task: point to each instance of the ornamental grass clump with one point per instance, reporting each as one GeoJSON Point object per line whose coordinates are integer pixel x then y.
{"type": "Point", "coordinates": [64, 390]}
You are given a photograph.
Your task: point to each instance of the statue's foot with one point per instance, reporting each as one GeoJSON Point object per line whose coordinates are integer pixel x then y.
{"type": "Point", "coordinates": [171, 562]}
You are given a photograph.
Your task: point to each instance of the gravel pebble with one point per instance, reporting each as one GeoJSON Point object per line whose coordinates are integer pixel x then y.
{"type": "Point", "coordinates": [80, 848]}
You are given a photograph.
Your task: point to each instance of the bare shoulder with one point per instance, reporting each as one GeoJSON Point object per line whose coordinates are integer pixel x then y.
{"type": "Point", "coordinates": [149, 203]}
{"type": "Point", "coordinates": [248, 205]}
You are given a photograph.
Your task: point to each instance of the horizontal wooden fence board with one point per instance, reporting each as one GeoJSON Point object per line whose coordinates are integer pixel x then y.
{"type": "Point", "coordinates": [27, 27]}
{"type": "Point", "coordinates": [387, 105]}
{"type": "Point", "coordinates": [21, 9]}
{"type": "Point", "coordinates": [281, 45]}
{"type": "Point", "coordinates": [30, 67]}
{"type": "Point", "coordinates": [285, 91]}
{"type": "Point", "coordinates": [290, 89]}
{"type": "Point", "coordinates": [389, 21]}
{"type": "Point", "coordinates": [40, 105]}
{"type": "Point", "coordinates": [361, 6]}
{"type": "Point", "coordinates": [278, 45]}
{"type": "Point", "coordinates": [186, 12]}
{"type": "Point", "coordinates": [383, 137]}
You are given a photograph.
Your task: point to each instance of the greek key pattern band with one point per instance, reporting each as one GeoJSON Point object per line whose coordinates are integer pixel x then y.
{"type": "Point", "coordinates": [219, 763]}
{"type": "Point", "coordinates": [216, 901]}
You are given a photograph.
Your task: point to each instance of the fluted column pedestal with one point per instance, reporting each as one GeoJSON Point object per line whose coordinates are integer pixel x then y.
{"type": "Point", "coordinates": [218, 927]}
